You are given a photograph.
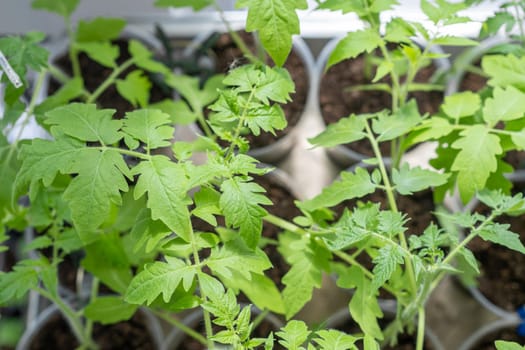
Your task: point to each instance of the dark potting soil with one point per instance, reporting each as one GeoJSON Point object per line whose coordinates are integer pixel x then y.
{"type": "Point", "coordinates": [131, 334]}
{"type": "Point", "coordinates": [508, 334]}
{"type": "Point", "coordinates": [94, 74]}
{"type": "Point", "coordinates": [502, 278]}
{"type": "Point", "coordinates": [336, 101]}
{"type": "Point", "coordinates": [227, 55]}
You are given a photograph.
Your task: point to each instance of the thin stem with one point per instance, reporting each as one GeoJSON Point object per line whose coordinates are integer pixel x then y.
{"type": "Point", "coordinates": [260, 318]}
{"type": "Point", "coordinates": [420, 328]}
{"type": "Point", "coordinates": [125, 151]}
{"type": "Point", "coordinates": [285, 225]}
{"type": "Point", "coordinates": [238, 130]}
{"type": "Point", "coordinates": [73, 53]}
{"type": "Point", "coordinates": [94, 294]}
{"type": "Point", "coordinates": [180, 325]}
{"type": "Point", "coordinates": [72, 317]}
{"type": "Point", "coordinates": [236, 38]}
{"type": "Point", "coordinates": [392, 204]}
{"type": "Point", "coordinates": [110, 80]}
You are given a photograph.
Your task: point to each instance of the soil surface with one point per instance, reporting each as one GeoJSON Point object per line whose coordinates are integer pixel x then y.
{"type": "Point", "coordinates": [228, 55]}
{"type": "Point", "coordinates": [124, 335]}
{"type": "Point", "coordinates": [337, 101]}
{"type": "Point", "coordinates": [94, 74]}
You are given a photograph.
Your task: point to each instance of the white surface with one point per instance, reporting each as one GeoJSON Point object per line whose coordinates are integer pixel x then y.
{"type": "Point", "coordinates": [17, 16]}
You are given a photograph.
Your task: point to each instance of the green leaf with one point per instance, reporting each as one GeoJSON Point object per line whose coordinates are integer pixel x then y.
{"type": "Point", "coordinates": [462, 104]}
{"type": "Point", "coordinates": [62, 8]}
{"type": "Point", "coordinates": [166, 185]}
{"type": "Point", "coordinates": [266, 83]}
{"type": "Point", "coordinates": [351, 185]}
{"type": "Point", "coordinates": [431, 129]}
{"type": "Point", "coordinates": [389, 127]}
{"type": "Point", "coordinates": [195, 4]}
{"type": "Point", "coordinates": [475, 143]}
{"type": "Point", "coordinates": [505, 70]}
{"type": "Point", "coordinates": [43, 159]}
{"type": "Point", "coordinates": [506, 104]}
{"type": "Point", "coordinates": [492, 24]}
{"type": "Point", "coordinates": [441, 10]}
{"type": "Point", "coordinates": [22, 52]}
{"type": "Point", "coordinates": [235, 256]}
{"type": "Point", "coordinates": [179, 111]}
{"type": "Point", "coordinates": [189, 88]}
{"type": "Point", "coordinates": [308, 260]}
{"type": "Point", "coordinates": [106, 259]}
{"type": "Point", "coordinates": [260, 289]}
{"type": "Point", "coordinates": [109, 310]}
{"type": "Point", "coordinates": [333, 339]}
{"type": "Point", "coordinates": [409, 180]}
{"type": "Point", "coordinates": [507, 345]}
{"type": "Point", "coordinates": [345, 130]}
{"type": "Point", "coordinates": [99, 29]}
{"type": "Point", "coordinates": [15, 284]}
{"type": "Point", "coordinates": [207, 205]}
{"type": "Point", "coordinates": [159, 278]}
{"type": "Point", "coordinates": [354, 44]}
{"type": "Point", "coordinates": [364, 307]}
{"type": "Point", "coordinates": [69, 91]}
{"type": "Point", "coordinates": [98, 184]}
{"type": "Point", "coordinates": [87, 123]}
{"type": "Point", "coordinates": [143, 58]}
{"type": "Point", "coordinates": [240, 202]}
{"type": "Point", "coordinates": [293, 335]}
{"type": "Point", "coordinates": [135, 88]}
{"type": "Point", "coordinates": [499, 234]}
{"type": "Point", "coordinates": [102, 52]}
{"type": "Point", "coordinates": [275, 21]}
{"type": "Point", "coordinates": [38, 243]}
{"type": "Point", "coordinates": [448, 40]}
{"type": "Point", "coordinates": [387, 260]}
{"type": "Point", "coordinates": [149, 126]}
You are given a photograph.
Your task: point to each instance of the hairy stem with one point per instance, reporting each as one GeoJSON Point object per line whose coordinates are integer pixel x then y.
{"type": "Point", "coordinates": [110, 80]}
{"type": "Point", "coordinates": [180, 325]}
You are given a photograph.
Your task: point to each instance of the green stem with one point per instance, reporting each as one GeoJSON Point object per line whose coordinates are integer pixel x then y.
{"type": "Point", "coordinates": [420, 328]}
{"type": "Point", "coordinates": [180, 325]}
{"type": "Point", "coordinates": [460, 246]}
{"type": "Point", "coordinates": [236, 38]}
{"type": "Point", "coordinates": [125, 151]}
{"type": "Point", "coordinates": [94, 295]}
{"type": "Point", "coordinates": [392, 204]}
{"type": "Point", "coordinates": [72, 318]}
{"type": "Point", "coordinates": [260, 318]}
{"type": "Point", "coordinates": [110, 80]}
{"type": "Point", "coordinates": [238, 129]}
{"type": "Point", "coordinates": [73, 53]}
{"type": "Point", "coordinates": [285, 225]}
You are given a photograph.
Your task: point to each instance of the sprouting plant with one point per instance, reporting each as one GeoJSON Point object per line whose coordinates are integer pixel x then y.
{"type": "Point", "coordinates": [401, 63]}
{"type": "Point", "coordinates": [132, 77]}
